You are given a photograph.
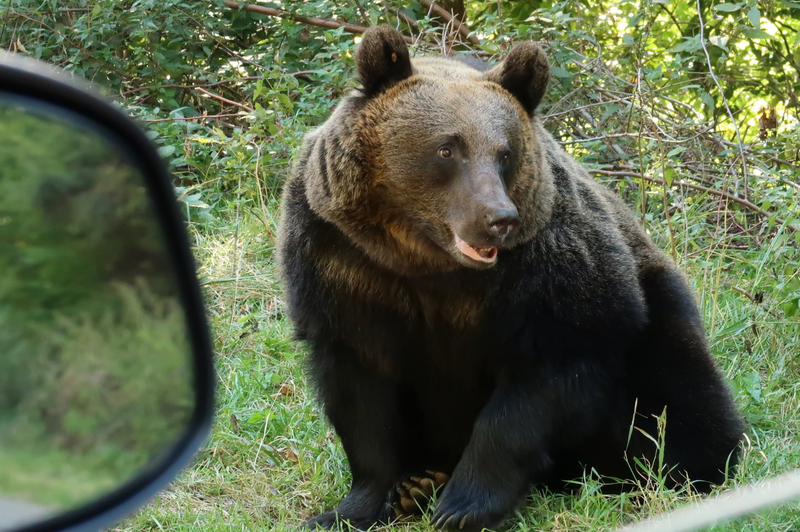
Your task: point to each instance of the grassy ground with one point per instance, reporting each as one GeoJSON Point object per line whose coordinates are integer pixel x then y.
{"type": "Point", "coordinates": [273, 460]}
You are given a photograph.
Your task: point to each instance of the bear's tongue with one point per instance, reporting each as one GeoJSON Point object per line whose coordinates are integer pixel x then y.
{"type": "Point", "coordinates": [486, 254]}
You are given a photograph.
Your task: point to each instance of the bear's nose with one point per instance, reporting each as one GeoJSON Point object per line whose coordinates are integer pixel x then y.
{"type": "Point", "coordinates": [502, 221]}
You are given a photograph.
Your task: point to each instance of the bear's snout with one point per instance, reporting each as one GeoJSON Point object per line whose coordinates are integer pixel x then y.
{"type": "Point", "coordinates": [500, 222]}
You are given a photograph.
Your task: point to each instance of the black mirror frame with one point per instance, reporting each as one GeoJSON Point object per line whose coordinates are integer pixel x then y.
{"type": "Point", "coordinates": [34, 80]}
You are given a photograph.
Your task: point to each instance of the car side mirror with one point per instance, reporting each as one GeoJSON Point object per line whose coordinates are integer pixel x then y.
{"type": "Point", "coordinates": [106, 375]}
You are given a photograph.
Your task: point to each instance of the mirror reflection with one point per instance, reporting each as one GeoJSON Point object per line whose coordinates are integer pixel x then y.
{"type": "Point", "coordinates": [95, 367]}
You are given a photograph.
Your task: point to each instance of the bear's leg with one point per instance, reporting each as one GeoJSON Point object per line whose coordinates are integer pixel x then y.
{"type": "Point", "coordinates": [530, 413]}
{"type": "Point", "coordinates": [363, 408]}
{"type": "Point", "coordinates": [671, 366]}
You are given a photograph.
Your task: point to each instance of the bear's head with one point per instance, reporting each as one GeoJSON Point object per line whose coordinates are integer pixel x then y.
{"type": "Point", "coordinates": [446, 169]}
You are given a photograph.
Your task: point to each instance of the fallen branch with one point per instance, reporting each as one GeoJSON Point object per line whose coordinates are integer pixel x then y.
{"type": "Point", "coordinates": [312, 21]}
{"type": "Point", "coordinates": [720, 193]}
{"type": "Point", "coordinates": [462, 28]}
{"type": "Point", "coordinates": [225, 100]}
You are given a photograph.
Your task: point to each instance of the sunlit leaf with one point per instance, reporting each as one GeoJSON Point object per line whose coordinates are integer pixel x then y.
{"type": "Point", "coordinates": [728, 8]}
{"type": "Point", "coordinates": [754, 15]}
{"type": "Point", "coordinates": [719, 41]}
{"type": "Point", "coordinates": [756, 34]}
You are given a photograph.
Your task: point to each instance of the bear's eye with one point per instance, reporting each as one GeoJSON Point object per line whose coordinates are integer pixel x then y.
{"type": "Point", "coordinates": [505, 158]}
{"type": "Point", "coordinates": [445, 153]}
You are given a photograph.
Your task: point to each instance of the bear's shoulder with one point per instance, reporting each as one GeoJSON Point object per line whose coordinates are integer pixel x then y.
{"type": "Point", "coordinates": [585, 261]}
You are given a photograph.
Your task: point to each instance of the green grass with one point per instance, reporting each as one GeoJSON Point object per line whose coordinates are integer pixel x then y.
{"type": "Point", "coordinates": [273, 460]}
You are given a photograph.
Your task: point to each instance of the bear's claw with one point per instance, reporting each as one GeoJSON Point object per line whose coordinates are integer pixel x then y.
{"type": "Point", "coordinates": [414, 493]}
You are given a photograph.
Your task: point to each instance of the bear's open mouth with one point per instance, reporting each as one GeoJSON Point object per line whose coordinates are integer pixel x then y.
{"type": "Point", "coordinates": [486, 254]}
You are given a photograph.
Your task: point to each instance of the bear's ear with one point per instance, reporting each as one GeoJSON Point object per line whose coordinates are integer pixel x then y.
{"type": "Point", "coordinates": [382, 59]}
{"type": "Point", "coordinates": [524, 73]}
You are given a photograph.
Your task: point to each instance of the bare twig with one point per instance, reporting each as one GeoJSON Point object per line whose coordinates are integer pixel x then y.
{"type": "Point", "coordinates": [720, 193]}
{"type": "Point", "coordinates": [724, 99]}
{"type": "Point", "coordinates": [224, 100]}
{"type": "Point", "coordinates": [412, 25]}
{"type": "Point", "coordinates": [258, 184]}
{"type": "Point", "coordinates": [587, 106]}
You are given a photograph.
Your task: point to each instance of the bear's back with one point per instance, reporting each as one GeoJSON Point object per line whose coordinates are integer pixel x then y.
{"type": "Point", "coordinates": [445, 68]}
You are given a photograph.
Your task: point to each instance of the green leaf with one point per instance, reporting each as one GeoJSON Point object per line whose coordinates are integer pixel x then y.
{"type": "Point", "coordinates": [256, 417]}
{"type": "Point", "coordinates": [756, 34]}
{"type": "Point", "coordinates": [755, 17]}
{"type": "Point", "coordinates": [560, 73]}
{"type": "Point", "coordinates": [627, 39]}
{"type": "Point", "coordinates": [690, 44]}
{"type": "Point", "coordinates": [286, 101]}
{"type": "Point", "coordinates": [676, 151]}
{"type": "Point", "coordinates": [787, 3]}
{"type": "Point", "coordinates": [654, 74]}
{"type": "Point", "coordinates": [708, 100]}
{"type": "Point", "coordinates": [166, 151]}
{"type": "Point", "coordinates": [728, 8]}
{"type": "Point", "coordinates": [193, 200]}
{"type": "Point", "coordinates": [669, 175]}
{"type": "Point", "coordinates": [752, 384]}
{"type": "Point", "coordinates": [245, 318]}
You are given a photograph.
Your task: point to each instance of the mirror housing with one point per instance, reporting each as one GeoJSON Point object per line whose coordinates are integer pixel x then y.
{"type": "Point", "coordinates": [34, 81]}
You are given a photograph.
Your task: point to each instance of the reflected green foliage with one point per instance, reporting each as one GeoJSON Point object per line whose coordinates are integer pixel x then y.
{"type": "Point", "coordinates": [94, 368]}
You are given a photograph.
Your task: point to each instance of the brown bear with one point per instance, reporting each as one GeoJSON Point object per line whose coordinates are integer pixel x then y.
{"type": "Point", "coordinates": [476, 305]}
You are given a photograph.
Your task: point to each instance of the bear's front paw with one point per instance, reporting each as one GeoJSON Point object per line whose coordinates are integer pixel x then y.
{"type": "Point", "coordinates": [414, 493]}
{"type": "Point", "coordinates": [467, 508]}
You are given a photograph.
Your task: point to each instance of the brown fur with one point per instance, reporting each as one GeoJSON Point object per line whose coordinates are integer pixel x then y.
{"type": "Point", "coordinates": [359, 138]}
{"type": "Point", "coordinates": [503, 372]}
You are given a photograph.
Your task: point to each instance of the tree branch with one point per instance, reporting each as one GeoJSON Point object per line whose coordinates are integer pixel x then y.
{"type": "Point", "coordinates": [462, 29]}
{"type": "Point", "coordinates": [224, 100]}
{"type": "Point", "coordinates": [313, 21]}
